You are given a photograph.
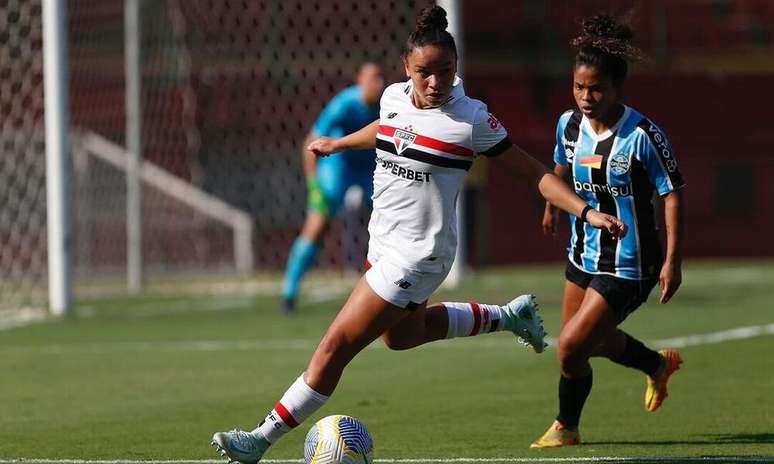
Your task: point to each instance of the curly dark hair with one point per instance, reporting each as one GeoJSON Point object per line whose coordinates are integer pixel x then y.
{"type": "Point", "coordinates": [430, 29]}
{"type": "Point", "coordinates": [605, 43]}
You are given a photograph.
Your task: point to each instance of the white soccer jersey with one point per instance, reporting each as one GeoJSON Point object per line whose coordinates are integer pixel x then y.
{"type": "Point", "coordinates": [422, 157]}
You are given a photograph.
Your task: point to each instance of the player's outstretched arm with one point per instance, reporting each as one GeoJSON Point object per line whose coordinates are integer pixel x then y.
{"type": "Point", "coordinates": [551, 213]}
{"type": "Point", "coordinates": [671, 275]}
{"type": "Point", "coordinates": [556, 191]}
{"type": "Point", "coordinates": [363, 139]}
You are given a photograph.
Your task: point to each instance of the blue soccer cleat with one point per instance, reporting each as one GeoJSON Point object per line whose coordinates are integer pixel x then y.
{"type": "Point", "coordinates": [240, 446]}
{"type": "Point", "coordinates": [523, 320]}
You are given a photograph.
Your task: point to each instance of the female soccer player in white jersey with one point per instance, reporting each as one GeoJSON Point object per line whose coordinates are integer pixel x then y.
{"type": "Point", "coordinates": [616, 159]}
{"type": "Point", "coordinates": [426, 137]}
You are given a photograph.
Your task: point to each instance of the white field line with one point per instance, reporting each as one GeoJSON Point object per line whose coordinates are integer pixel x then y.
{"type": "Point", "coordinates": [307, 344]}
{"type": "Point", "coordinates": [19, 318]}
{"type": "Point", "coordinates": [738, 333]}
{"type": "Point", "coordinates": [600, 459]}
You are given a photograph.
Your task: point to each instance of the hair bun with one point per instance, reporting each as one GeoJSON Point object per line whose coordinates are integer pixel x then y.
{"type": "Point", "coordinates": [433, 17]}
{"type": "Point", "coordinates": [605, 33]}
{"type": "Point", "coordinates": [605, 26]}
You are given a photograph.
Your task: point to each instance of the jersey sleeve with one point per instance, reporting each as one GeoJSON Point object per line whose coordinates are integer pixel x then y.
{"type": "Point", "coordinates": [560, 155]}
{"type": "Point", "coordinates": [489, 136]}
{"type": "Point", "coordinates": [658, 157]}
{"type": "Point", "coordinates": [331, 117]}
{"type": "Point", "coordinates": [389, 97]}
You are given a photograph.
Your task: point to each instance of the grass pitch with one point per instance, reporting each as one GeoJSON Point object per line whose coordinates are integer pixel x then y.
{"type": "Point", "coordinates": [152, 377]}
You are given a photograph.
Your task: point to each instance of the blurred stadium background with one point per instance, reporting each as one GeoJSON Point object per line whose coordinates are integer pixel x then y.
{"type": "Point", "coordinates": [229, 88]}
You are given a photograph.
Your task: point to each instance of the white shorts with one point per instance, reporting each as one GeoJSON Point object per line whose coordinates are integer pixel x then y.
{"type": "Point", "coordinates": [405, 288]}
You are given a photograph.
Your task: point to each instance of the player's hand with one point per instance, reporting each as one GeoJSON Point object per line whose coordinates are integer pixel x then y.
{"type": "Point", "coordinates": [550, 218]}
{"type": "Point", "coordinates": [323, 146]}
{"type": "Point", "coordinates": [669, 280]}
{"type": "Point", "coordinates": [612, 224]}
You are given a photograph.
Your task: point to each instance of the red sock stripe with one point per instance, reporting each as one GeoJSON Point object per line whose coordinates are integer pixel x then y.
{"type": "Point", "coordinates": [476, 318]}
{"type": "Point", "coordinates": [285, 416]}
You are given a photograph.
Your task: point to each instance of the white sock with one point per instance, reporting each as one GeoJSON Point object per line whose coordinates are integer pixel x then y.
{"type": "Point", "coordinates": [468, 319]}
{"type": "Point", "coordinates": [296, 405]}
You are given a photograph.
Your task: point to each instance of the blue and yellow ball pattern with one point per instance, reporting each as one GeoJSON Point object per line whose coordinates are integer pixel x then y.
{"type": "Point", "coordinates": [338, 439]}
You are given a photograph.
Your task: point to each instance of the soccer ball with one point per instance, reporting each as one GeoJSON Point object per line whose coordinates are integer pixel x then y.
{"type": "Point", "coordinates": [338, 440]}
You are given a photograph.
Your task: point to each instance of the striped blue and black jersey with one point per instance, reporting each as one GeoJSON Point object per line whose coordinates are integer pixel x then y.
{"type": "Point", "coordinates": [617, 172]}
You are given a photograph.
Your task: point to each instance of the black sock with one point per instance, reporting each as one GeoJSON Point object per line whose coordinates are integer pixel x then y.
{"type": "Point", "coordinates": [638, 356]}
{"type": "Point", "coordinates": [572, 397]}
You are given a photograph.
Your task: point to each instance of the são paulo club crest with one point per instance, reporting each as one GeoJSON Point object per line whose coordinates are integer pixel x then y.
{"type": "Point", "coordinates": [619, 164]}
{"type": "Point", "coordinates": [403, 139]}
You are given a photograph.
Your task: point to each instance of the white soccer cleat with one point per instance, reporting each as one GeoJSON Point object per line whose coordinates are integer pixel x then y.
{"type": "Point", "coordinates": [524, 321]}
{"type": "Point", "coordinates": [240, 446]}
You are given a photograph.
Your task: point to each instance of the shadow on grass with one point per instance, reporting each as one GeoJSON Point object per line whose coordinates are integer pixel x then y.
{"type": "Point", "coordinates": [686, 460]}
{"type": "Point", "coordinates": [756, 438]}
{"type": "Point", "coordinates": [714, 439]}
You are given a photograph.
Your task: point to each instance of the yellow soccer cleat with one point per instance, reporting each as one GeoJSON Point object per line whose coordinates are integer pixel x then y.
{"type": "Point", "coordinates": [656, 391]}
{"type": "Point", "coordinates": [556, 436]}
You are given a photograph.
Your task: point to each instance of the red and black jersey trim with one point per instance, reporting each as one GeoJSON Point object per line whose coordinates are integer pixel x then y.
{"type": "Point", "coordinates": [499, 148]}
{"type": "Point", "coordinates": [424, 157]}
{"type": "Point", "coordinates": [429, 142]}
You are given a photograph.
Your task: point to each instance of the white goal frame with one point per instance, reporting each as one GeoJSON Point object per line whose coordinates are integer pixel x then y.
{"type": "Point", "coordinates": [93, 145]}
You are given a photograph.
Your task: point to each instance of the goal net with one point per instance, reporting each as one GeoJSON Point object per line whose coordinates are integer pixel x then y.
{"type": "Point", "coordinates": [228, 91]}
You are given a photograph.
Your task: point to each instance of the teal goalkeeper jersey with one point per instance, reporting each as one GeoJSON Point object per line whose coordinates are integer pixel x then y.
{"type": "Point", "coordinates": [617, 172]}
{"type": "Point", "coordinates": [343, 115]}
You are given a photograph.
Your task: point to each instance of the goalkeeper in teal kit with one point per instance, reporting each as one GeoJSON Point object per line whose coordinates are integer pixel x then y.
{"type": "Point", "coordinates": [328, 179]}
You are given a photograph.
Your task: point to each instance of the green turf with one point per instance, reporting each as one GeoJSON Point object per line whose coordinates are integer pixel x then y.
{"type": "Point", "coordinates": [153, 377]}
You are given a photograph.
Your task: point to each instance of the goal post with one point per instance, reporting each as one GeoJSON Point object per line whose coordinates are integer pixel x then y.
{"type": "Point", "coordinates": [454, 16]}
{"type": "Point", "coordinates": [57, 123]}
{"type": "Point", "coordinates": [134, 279]}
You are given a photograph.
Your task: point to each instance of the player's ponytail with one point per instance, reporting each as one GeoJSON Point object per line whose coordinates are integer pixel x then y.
{"type": "Point", "coordinates": [606, 44]}
{"type": "Point", "coordinates": [430, 29]}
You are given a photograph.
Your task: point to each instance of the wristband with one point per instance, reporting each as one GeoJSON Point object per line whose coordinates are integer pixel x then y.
{"type": "Point", "coordinates": [585, 213]}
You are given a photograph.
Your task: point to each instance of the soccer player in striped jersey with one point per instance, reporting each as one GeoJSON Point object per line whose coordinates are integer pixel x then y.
{"type": "Point", "coordinates": [426, 138]}
{"type": "Point", "coordinates": [616, 159]}
{"type": "Point", "coordinates": [328, 179]}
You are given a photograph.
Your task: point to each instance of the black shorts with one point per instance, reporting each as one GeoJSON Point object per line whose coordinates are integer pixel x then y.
{"type": "Point", "coordinates": [623, 295]}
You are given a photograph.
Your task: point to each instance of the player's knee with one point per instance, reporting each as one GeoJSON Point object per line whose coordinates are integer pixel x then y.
{"type": "Point", "coordinates": [571, 359]}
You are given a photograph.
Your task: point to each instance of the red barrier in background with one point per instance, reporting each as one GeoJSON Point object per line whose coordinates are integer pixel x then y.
{"type": "Point", "coordinates": [722, 133]}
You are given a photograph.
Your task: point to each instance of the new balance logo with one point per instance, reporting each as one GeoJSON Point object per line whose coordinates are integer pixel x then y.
{"type": "Point", "coordinates": [391, 115]}
{"type": "Point", "coordinates": [403, 283]}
